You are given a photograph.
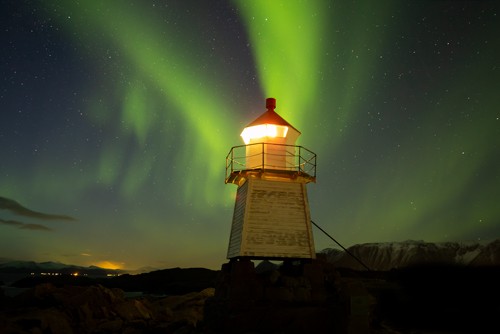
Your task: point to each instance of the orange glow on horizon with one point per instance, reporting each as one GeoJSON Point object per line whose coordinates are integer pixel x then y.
{"type": "Point", "coordinates": [109, 265]}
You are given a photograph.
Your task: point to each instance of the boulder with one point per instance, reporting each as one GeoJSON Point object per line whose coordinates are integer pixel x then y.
{"type": "Point", "coordinates": [97, 309]}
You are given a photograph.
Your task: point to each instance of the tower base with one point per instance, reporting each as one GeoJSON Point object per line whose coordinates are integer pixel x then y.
{"type": "Point", "coordinates": [271, 220]}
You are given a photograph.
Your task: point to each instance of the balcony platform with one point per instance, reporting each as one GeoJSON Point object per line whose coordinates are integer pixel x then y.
{"type": "Point", "coordinates": [239, 177]}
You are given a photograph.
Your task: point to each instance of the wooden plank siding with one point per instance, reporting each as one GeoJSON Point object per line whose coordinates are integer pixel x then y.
{"type": "Point", "coordinates": [271, 219]}
{"type": "Point", "coordinates": [237, 225]}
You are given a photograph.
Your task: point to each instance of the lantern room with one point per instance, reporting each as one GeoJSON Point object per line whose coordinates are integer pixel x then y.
{"type": "Point", "coordinates": [270, 127]}
{"type": "Point", "coordinates": [270, 151]}
{"type": "Point", "coordinates": [270, 141]}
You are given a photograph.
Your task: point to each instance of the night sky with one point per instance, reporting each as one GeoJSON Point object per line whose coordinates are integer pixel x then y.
{"type": "Point", "coordinates": [116, 118]}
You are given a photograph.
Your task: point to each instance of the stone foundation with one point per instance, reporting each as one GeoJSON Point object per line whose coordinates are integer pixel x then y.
{"type": "Point", "coordinates": [296, 297]}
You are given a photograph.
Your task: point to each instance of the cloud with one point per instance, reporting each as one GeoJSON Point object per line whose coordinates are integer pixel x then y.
{"type": "Point", "coordinates": [25, 226]}
{"type": "Point", "coordinates": [35, 227]}
{"type": "Point", "coordinates": [15, 207]}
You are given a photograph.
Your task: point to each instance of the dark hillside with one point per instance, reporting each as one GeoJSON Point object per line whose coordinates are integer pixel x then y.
{"type": "Point", "coordinates": [175, 281]}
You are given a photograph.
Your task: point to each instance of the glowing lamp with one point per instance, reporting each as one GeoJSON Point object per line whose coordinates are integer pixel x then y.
{"type": "Point", "coordinates": [263, 132]}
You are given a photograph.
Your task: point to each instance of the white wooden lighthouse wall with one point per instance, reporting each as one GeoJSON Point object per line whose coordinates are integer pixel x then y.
{"type": "Point", "coordinates": [270, 156]}
{"type": "Point", "coordinates": [273, 152]}
{"type": "Point", "coordinates": [272, 220]}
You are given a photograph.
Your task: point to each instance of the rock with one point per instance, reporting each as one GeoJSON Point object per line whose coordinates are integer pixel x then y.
{"type": "Point", "coordinates": [110, 326]}
{"type": "Point", "coordinates": [187, 308]}
{"type": "Point", "coordinates": [49, 320]}
{"type": "Point", "coordinates": [97, 309]}
{"type": "Point", "coordinates": [55, 321]}
{"type": "Point", "coordinates": [265, 266]}
{"type": "Point", "coordinates": [132, 310]}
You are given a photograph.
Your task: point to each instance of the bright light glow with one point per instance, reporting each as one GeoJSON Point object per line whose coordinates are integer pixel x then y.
{"type": "Point", "coordinates": [264, 130]}
{"type": "Point", "coordinates": [109, 265]}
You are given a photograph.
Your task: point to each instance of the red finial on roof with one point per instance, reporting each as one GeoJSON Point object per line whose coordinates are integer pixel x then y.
{"type": "Point", "coordinates": [270, 103]}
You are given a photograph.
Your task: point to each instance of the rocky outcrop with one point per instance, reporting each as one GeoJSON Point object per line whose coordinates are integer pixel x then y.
{"type": "Point", "coordinates": [97, 309]}
{"type": "Point", "coordinates": [294, 297]}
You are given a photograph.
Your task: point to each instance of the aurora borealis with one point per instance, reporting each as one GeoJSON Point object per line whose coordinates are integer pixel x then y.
{"type": "Point", "coordinates": [120, 114]}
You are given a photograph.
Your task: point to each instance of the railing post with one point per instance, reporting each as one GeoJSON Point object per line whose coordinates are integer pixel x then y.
{"type": "Point", "coordinates": [300, 159]}
{"type": "Point", "coordinates": [262, 156]}
{"type": "Point", "coordinates": [232, 160]}
{"type": "Point", "coordinates": [315, 165]}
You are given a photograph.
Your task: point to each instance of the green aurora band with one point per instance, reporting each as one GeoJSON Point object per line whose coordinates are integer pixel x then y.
{"type": "Point", "coordinates": [286, 42]}
{"type": "Point", "coordinates": [161, 66]}
{"type": "Point", "coordinates": [415, 183]}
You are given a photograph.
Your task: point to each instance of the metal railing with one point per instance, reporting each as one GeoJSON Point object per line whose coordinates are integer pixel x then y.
{"type": "Point", "coordinates": [270, 157]}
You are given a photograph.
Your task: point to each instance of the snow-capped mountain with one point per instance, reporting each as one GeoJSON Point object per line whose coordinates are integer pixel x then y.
{"type": "Point", "coordinates": [391, 255]}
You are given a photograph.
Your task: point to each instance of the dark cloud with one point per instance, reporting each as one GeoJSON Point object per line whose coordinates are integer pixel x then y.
{"type": "Point", "coordinates": [11, 222]}
{"type": "Point", "coordinates": [35, 227]}
{"type": "Point", "coordinates": [25, 226]}
{"type": "Point", "coordinates": [15, 207]}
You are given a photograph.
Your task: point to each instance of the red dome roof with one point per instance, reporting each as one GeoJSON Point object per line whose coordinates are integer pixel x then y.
{"type": "Point", "coordinates": [270, 116]}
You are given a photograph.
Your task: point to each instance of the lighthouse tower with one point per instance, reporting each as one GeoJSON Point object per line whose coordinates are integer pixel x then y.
{"type": "Point", "coordinates": [271, 217]}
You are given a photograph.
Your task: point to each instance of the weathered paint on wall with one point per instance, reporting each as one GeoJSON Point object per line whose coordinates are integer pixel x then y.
{"type": "Point", "coordinates": [271, 219]}
{"type": "Point", "coordinates": [237, 225]}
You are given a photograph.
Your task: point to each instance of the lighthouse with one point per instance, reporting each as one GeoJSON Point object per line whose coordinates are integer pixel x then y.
{"type": "Point", "coordinates": [271, 218]}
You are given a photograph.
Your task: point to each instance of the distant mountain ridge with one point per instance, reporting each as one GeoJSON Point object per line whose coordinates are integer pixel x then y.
{"type": "Point", "coordinates": [34, 265]}
{"type": "Point", "coordinates": [376, 256]}
{"type": "Point", "coordinates": [393, 255]}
